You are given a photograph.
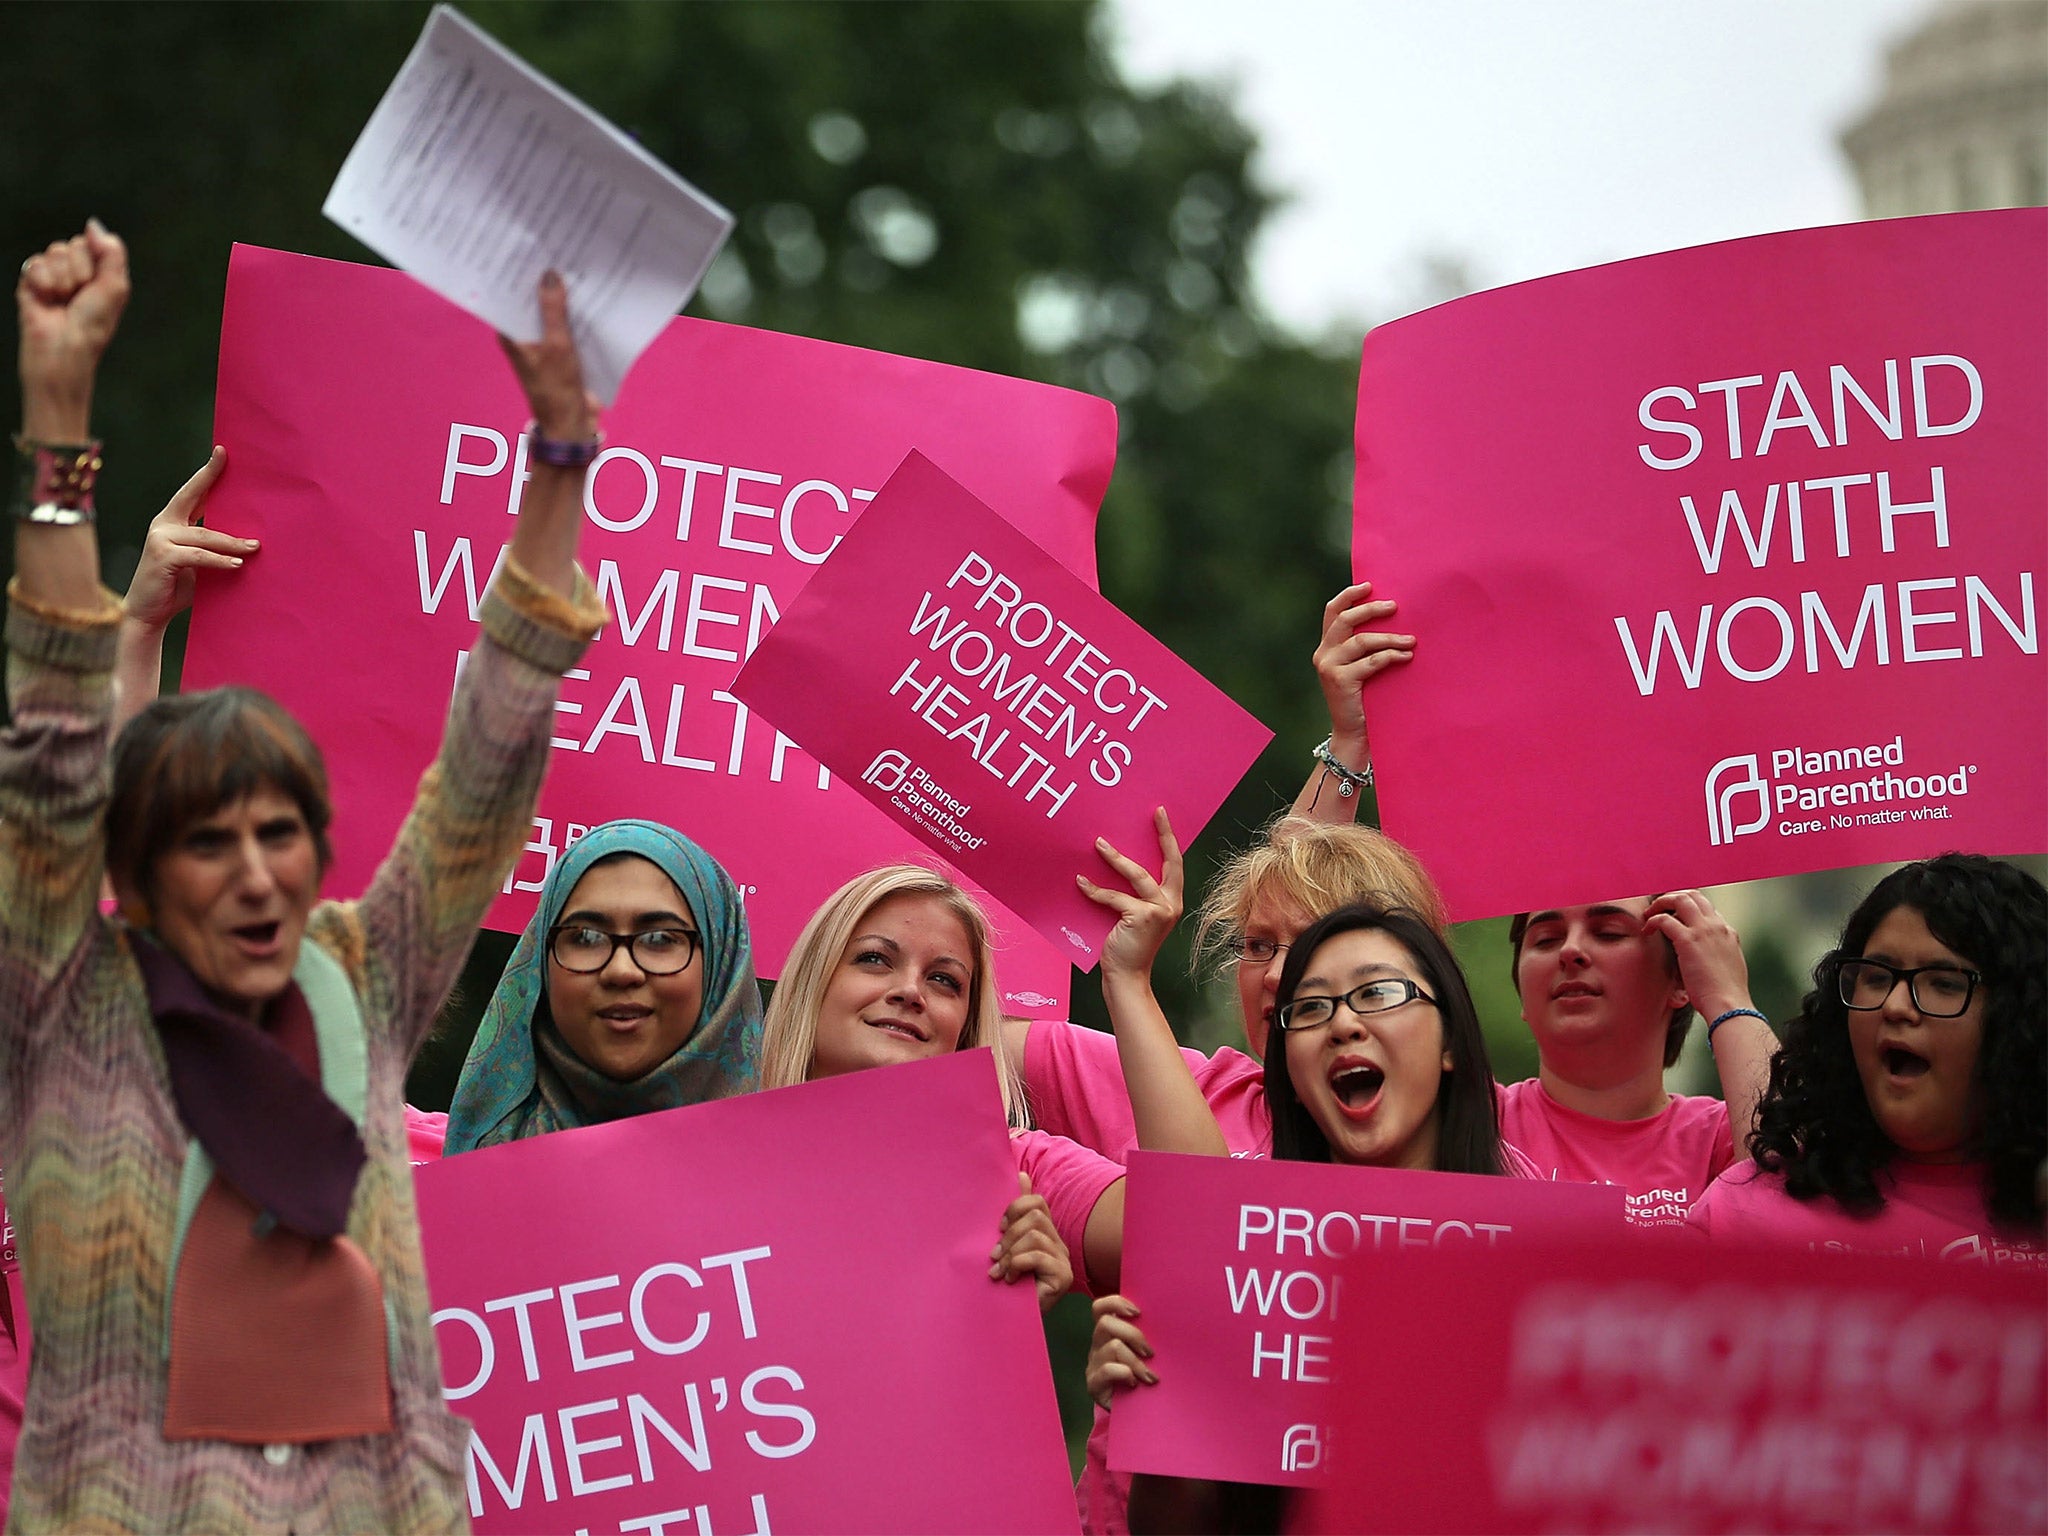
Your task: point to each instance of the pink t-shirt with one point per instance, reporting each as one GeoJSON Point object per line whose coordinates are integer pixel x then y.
{"type": "Point", "coordinates": [426, 1133]}
{"type": "Point", "coordinates": [1931, 1211]}
{"type": "Point", "coordinates": [1664, 1162]}
{"type": "Point", "coordinates": [1076, 1085]}
{"type": "Point", "coordinates": [1072, 1179]}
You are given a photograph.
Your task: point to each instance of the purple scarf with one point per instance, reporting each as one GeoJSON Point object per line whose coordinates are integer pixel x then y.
{"type": "Point", "coordinates": [271, 1130]}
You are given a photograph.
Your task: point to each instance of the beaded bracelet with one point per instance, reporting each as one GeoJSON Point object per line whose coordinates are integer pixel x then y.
{"type": "Point", "coordinates": [54, 482]}
{"type": "Point", "coordinates": [1732, 1013]}
{"type": "Point", "coordinates": [1349, 780]}
{"type": "Point", "coordinates": [562, 453]}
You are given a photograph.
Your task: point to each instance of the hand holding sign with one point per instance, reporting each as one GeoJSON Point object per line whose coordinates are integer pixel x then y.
{"type": "Point", "coordinates": [1117, 1351]}
{"type": "Point", "coordinates": [1147, 913]}
{"type": "Point", "coordinates": [1348, 656]}
{"type": "Point", "coordinates": [1031, 1246]}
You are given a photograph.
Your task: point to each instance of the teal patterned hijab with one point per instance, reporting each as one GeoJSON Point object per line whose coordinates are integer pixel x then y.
{"type": "Point", "coordinates": [522, 1080]}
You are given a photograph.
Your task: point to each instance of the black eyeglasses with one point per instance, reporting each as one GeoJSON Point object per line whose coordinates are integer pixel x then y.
{"type": "Point", "coordinates": [657, 951]}
{"type": "Point", "coordinates": [1258, 951]}
{"type": "Point", "coordinates": [1369, 997]}
{"type": "Point", "coordinates": [1939, 991]}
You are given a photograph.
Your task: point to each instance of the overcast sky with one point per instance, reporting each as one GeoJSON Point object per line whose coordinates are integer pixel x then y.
{"type": "Point", "coordinates": [1522, 136]}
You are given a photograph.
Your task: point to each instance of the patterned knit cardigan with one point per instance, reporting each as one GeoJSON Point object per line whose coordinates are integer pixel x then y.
{"type": "Point", "coordinates": [90, 1136]}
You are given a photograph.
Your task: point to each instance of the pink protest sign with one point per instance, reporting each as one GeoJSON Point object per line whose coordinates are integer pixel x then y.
{"type": "Point", "coordinates": [1723, 563]}
{"type": "Point", "coordinates": [999, 707]}
{"type": "Point", "coordinates": [1245, 1271]}
{"type": "Point", "coordinates": [770, 1312]}
{"type": "Point", "coordinates": [373, 441]}
{"type": "Point", "coordinates": [1647, 1387]}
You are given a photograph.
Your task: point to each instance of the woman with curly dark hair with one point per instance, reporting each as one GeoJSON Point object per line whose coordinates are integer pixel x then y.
{"type": "Point", "coordinates": [1908, 1109]}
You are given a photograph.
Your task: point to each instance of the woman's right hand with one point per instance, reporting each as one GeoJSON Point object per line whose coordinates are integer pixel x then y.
{"type": "Point", "coordinates": [1117, 1350]}
{"type": "Point", "coordinates": [69, 299]}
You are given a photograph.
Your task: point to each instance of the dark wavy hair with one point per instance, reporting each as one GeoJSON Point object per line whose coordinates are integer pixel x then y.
{"type": "Point", "coordinates": [1468, 1127]}
{"type": "Point", "coordinates": [185, 757]}
{"type": "Point", "coordinates": [1815, 1125]}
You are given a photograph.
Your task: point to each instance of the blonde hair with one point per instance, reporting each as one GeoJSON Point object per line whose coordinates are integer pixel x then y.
{"type": "Point", "coordinates": [789, 1039]}
{"type": "Point", "coordinates": [1316, 868]}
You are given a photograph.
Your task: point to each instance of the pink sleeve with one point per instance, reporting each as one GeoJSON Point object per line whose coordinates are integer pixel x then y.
{"type": "Point", "coordinates": [1720, 1212]}
{"type": "Point", "coordinates": [425, 1134]}
{"type": "Point", "coordinates": [1072, 1179]}
{"type": "Point", "coordinates": [1075, 1081]}
{"type": "Point", "coordinates": [1724, 1141]}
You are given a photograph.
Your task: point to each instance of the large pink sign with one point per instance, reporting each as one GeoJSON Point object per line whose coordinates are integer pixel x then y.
{"type": "Point", "coordinates": [767, 1313]}
{"type": "Point", "coordinates": [1724, 563]}
{"type": "Point", "coordinates": [1001, 708]}
{"type": "Point", "coordinates": [1664, 1387]}
{"type": "Point", "coordinates": [373, 436]}
{"type": "Point", "coordinates": [1246, 1269]}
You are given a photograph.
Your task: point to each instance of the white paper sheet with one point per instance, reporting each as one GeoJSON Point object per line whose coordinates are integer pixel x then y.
{"type": "Point", "coordinates": [475, 174]}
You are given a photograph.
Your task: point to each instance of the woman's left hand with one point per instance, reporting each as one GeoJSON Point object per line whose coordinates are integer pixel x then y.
{"type": "Point", "coordinates": [1146, 913]}
{"type": "Point", "coordinates": [1711, 966]}
{"type": "Point", "coordinates": [1031, 1246]}
{"type": "Point", "coordinates": [177, 548]}
{"type": "Point", "coordinates": [551, 373]}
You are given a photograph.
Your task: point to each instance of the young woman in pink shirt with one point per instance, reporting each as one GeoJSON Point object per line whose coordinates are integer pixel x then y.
{"type": "Point", "coordinates": [1380, 1063]}
{"type": "Point", "coordinates": [1609, 988]}
{"type": "Point", "coordinates": [897, 966]}
{"type": "Point", "coordinates": [1908, 1110]}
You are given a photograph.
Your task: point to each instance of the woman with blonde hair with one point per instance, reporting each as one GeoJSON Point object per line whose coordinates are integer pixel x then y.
{"type": "Point", "coordinates": [897, 965]}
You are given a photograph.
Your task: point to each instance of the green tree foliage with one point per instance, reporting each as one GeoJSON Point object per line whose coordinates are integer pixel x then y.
{"type": "Point", "coordinates": [969, 183]}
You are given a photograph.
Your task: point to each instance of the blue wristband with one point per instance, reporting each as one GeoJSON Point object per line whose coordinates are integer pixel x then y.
{"type": "Point", "coordinates": [1732, 1013]}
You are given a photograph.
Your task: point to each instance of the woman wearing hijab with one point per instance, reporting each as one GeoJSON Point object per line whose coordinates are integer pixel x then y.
{"type": "Point", "coordinates": [631, 990]}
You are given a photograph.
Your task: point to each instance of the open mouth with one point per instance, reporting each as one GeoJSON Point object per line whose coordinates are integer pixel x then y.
{"type": "Point", "coordinates": [1574, 989]}
{"type": "Point", "coordinates": [260, 937]}
{"type": "Point", "coordinates": [1900, 1062]}
{"type": "Point", "coordinates": [1357, 1086]}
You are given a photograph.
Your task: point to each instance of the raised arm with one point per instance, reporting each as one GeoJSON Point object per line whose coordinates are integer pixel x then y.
{"type": "Point", "coordinates": [69, 298]}
{"type": "Point", "coordinates": [1348, 655]}
{"type": "Point", "coordinates": [1166, 1103]}
{"type": "Point", "coordinates": [565, 418]}
{"type": "Point", "coordinates": [60, 622]}
{"type": "Point", "coordinates": [1716, 979]}
{"type": "Point", "coordinates": [474, 808]}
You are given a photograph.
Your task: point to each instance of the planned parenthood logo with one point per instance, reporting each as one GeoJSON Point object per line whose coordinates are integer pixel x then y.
{"type": "Point", "coordinates": [1301, 1448]}
{"type": "Point", "coordinates": [921, 797]}
{"type": "Point", "coordinates": [1826, 789]}
{"type": "Point", "coordinates": [1729, 784]}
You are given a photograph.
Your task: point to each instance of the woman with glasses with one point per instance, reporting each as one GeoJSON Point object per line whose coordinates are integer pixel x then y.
{"type": "Point", "coordinates": [1908, 1109]}
{"type": "Point", "coordinates": [1380, 1063]}
{"type": "Point", "coordinates": [631, 990]}
{"type": "Point", "coordinates": [1257, 904]}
